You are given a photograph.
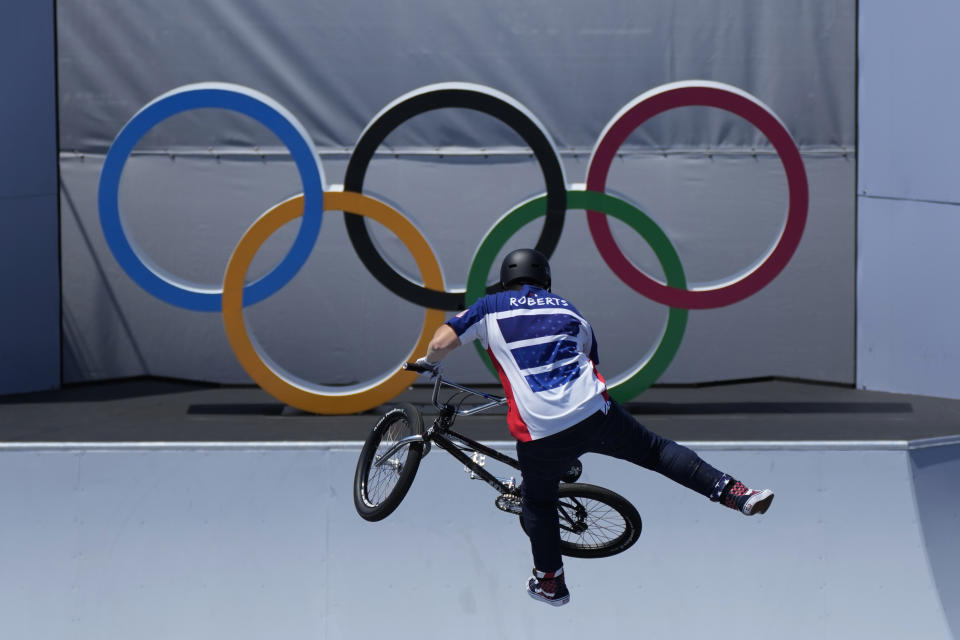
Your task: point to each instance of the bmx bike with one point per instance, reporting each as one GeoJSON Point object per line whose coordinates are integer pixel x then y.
{"type": "Point", "coordinates": [594, 522]}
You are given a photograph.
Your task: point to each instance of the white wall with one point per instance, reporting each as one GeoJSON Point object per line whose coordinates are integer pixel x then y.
{"type": "Point", "coordinates": [29, 220]}
{"type": "Point", "coordinates": [908, 271]}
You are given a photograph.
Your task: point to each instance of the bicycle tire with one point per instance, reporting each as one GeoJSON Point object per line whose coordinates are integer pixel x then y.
{"type": "Point", "coordinates": [594, 522]}
{"type": "Point", "coordinates": [379, 489]}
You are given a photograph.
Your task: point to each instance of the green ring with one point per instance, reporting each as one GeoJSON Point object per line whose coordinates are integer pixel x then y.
{"type": "Point", "coordinates": [645, 372]}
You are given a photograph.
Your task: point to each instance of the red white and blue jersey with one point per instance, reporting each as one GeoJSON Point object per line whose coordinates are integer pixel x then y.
{"type": "Point", "coordinates": [546, 355]}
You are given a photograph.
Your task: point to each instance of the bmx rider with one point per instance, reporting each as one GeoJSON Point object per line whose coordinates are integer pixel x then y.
{"type": "Point", "coordinates": [545, 353]}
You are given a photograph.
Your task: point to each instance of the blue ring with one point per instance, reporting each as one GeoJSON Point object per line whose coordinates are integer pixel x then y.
{"type": "Point", "coordinates": [249, 103]}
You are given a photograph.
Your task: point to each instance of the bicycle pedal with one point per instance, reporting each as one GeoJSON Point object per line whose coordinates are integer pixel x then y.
{"type": "Point", "coordinates": [510, 503]}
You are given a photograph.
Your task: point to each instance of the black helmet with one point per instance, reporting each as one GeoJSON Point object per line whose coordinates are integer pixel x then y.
{"type": "Point", "coordinates": [525, 266]}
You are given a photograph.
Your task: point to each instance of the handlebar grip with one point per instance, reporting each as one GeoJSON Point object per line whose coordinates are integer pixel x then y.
{"type": "Point", "coordinates": [416, 368]}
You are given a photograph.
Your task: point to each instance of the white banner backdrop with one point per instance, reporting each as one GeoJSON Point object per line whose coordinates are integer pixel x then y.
{"type": "Point", "coordinates": [708, 178]}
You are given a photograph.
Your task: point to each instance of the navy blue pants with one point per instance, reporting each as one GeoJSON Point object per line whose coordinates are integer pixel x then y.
{"type": "Point", "coordinates": [618, 434]}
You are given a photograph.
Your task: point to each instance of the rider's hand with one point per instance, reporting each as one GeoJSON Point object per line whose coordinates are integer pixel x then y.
{"type": "Point", "coordinates": [434, 367]}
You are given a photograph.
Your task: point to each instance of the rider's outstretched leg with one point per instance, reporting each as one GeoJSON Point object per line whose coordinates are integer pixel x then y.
{"type": "Point", "coordinates": [620, 435]}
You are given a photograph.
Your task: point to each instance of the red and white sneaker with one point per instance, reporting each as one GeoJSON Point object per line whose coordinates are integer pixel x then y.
{"type": "Point", "coordinates": [548, 587]}
{"type": "Point", "coordinates": [748, 501]}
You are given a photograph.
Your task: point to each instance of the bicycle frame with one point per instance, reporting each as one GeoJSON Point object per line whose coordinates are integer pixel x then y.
{"type": "Point", "coordinates": [444, 441]}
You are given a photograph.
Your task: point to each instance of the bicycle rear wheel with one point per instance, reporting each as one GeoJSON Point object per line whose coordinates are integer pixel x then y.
{"type": "Point", "coordinates": [380, 483]}
{"type": "Point", "coordinates": [595, 522]}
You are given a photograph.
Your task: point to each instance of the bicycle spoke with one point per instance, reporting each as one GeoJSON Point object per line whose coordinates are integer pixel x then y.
{"type": "Point", "coordinates": [383, 475]}
{"type": "Point", "coordinates": [602, 523]}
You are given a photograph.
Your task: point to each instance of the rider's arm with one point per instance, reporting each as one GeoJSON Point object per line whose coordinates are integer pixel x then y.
{"type": "Point", "coordinates": [465, 326]}
{"type": "Point", "coordinates": [444, 341]}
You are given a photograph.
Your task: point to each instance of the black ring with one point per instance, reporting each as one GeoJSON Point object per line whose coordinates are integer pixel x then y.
{"type": "Point", "coordinates": [440, 98]}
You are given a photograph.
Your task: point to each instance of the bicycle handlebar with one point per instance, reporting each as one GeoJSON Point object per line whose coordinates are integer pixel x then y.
{"type": "Point", "coordinates": [416, 368]}
{"type": "Point", "coordinates": [492, 400]}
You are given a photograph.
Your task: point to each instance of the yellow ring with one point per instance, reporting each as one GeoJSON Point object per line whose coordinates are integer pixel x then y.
{"type": "Point", "coordinates": [282, 385]}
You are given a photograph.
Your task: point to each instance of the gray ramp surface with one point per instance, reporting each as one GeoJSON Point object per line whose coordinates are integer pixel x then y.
{"type": "Point", "coordinates": [260, 540]}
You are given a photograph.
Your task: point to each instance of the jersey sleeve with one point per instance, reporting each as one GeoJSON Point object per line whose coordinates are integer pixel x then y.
{"type": "Point", "coordinates": [469, 324]}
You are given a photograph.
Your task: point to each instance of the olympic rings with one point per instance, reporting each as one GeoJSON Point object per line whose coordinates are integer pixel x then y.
{"type": "Point", "coordinates": [645, 372]}
{"type": "Point", "coordinates": [552, 206]}
{"type": "Point", "coordinates": [729, 98]}
{"type": "Point", "coordinates": [249, 102]}
{"type": "Point", "coordinates": [438, 96]}
{"type": "Point", "coordinates": [280, 384]}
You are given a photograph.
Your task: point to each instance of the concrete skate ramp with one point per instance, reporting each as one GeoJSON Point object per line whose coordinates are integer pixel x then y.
{"type": "Point", "coordinates": [262, 541]}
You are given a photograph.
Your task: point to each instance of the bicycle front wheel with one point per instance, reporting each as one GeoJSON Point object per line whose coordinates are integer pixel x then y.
{"type": "Point", "coordinates": [386, 468]}
{"type": "Point", "coordinates": [595, 522]}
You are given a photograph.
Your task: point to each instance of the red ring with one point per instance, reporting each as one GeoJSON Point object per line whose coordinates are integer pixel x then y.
{"type": "Point", "coordinates": [709, 94]}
